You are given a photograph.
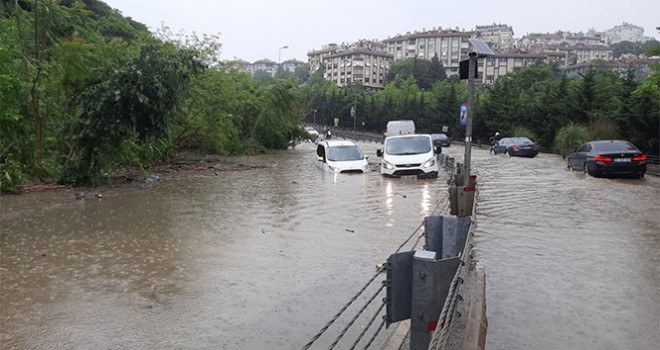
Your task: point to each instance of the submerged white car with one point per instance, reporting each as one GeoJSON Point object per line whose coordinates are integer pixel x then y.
{"type": "Point", "coordinates": [312, 132]}
{"type": "Point", "coordinates": [340, 156]}
{"type": "Point", "coordinates": [409, 156]}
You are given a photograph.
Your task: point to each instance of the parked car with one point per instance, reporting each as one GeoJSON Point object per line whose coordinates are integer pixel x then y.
{"type": "Point", "coordinates": [516, 146]}
{"type": "Point", "coordinates": [608, 158]}
{"type": "Point", "coordinates": [340, 156]}
{"type": "Point", "coordinates": [312, 132]}
{"type": "Point", "coordinates": [409, 156]}
{"type": "Point", "coordinates": [441, 140]}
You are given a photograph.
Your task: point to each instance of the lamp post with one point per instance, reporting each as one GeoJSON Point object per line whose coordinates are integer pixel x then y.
{"type": "Point", "coordinates": [314, 116]}
{"type": "Point", "coordinates": [279, 53]}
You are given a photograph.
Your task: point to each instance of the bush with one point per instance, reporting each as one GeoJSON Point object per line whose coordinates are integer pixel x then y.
{"type": "Point", "coordinates": [524, 132]}
{"type": "Point", "coordinates": [12, 175]}
{"type": "Point", "coordinates": [570, 137]}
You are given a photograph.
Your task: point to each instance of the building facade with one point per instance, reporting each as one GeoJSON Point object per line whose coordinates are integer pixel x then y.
{"type": "Point", "coordinates": [450, 46]}
{"type": "Point", "coordinates": [358, 65]}
{"type": "Point", "coordinates": [493, 67]}
{"type": "Point", "coordinates": [499, 37]}
{"type": "Point", "coordinates": [625, 32]}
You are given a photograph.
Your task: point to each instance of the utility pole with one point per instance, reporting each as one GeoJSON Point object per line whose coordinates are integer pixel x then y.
{"type": "Point", "coordinates": [479, 50]}
{"type": "Point", "coordinates": [468, 128]}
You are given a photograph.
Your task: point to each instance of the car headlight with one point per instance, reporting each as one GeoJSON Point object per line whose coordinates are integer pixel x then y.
{"type": "Point", "coordinates": [429, 163]}
{"type": "Point", "coordinates": [387, 165]}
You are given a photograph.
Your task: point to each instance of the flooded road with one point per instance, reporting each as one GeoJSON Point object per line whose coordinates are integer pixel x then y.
{"type": "Point", "coordinates": [257, 259]}
{"type": "Point", "coordinates": [262, 259]}
{"type": "Point", "coordinates": [572, 262]}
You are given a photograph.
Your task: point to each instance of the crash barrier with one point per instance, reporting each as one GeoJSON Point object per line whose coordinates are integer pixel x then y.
{"type": "Point", "coordinates": [369, 326]}
{"type": "Point", "coordinates": [653, 165]}
{"type": "Point", "coordinates": [461, 195]}
{"type": "Point", "coordinates": [445, 160]}
{"type": "Point", "coordinates": [422, 285]}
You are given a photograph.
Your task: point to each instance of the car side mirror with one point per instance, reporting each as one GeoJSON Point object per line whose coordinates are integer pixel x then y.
{"type": "Point", "coordinates": [379, 152]}
{"type": "Point", "coordinates": [438, 149]}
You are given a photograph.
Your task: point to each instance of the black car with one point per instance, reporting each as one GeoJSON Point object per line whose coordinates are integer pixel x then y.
{"type": "Point", "coordinates": [441, 140]}
{"type": "Point", "coordinates": [516, 146]}
{"type": "Point", "coordinates": [608, 158]}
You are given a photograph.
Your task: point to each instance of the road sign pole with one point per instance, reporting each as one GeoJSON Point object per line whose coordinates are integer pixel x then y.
{"type": "Point", "coordinates": [468, 128]}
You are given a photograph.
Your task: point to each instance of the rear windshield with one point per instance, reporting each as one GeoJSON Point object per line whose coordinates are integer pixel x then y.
{"type": "Point", "coordinates": [618, 146]}
{"type": "Point", "coordinates": [341, 153]}
{"type": "Point", "coordinates": [408, 145]}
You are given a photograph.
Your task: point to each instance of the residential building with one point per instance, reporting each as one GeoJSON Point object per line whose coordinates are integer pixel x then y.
{"type": "Point", "coordinates": [581, 54]}
{"type": "Point", "coordinates": [359, 64]}
{"type": "Point", "coordinates": [499, 37]}
{"type": "Point", "coordinates": [450, 46]}
{"type": "Point", "coordinates": [265, 65]}
{"type": "Point", "coordinates": [291, 65]}
{"type": "Point", "coordinates": [315, 58]}
{"type": "Point", "coordinates": [493, 67]}
{"type": "Point", "coordinates": [641, 67]}
{"type": "Point", "coordinates": [624, 32]}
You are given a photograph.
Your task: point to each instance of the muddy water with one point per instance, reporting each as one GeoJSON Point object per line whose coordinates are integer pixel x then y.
{"type": "Point", "coordinates": [262, 259]}
{"type": "Point", "coordinates": [257, 259]}
{"type": "Point", "coordinates": [572, 262]}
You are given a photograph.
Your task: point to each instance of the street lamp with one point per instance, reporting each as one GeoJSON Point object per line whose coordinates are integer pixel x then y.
{"type": "Point", "coordinates": [279, 53]}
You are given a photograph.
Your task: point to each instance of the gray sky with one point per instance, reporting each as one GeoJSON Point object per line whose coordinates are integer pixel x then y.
{"type": "Point", "coordinates": [256, 29]}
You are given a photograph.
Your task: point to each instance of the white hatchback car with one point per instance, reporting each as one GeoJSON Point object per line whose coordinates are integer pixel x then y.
{"type": "Point", "coordinates": [341, 156]}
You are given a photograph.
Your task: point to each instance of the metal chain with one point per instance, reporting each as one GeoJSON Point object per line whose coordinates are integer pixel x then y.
{"type": "Point", "coordinates": [325, 328]}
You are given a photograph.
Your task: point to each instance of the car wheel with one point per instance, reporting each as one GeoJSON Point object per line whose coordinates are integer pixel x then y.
{"type": "Point", "coordinates": [641, 176]}
{"type": "Point", "coordinates": [585, 169]}
{"type": "Point", "coordinates": [568, 165]}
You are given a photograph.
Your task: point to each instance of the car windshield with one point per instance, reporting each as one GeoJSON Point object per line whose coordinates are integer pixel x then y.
{"type": "Point", "coordinates": [343, 153]}
{"type": "Point", "coordinates": [408, 145]}
{"type": "Point", "coordinates": [614, 147]}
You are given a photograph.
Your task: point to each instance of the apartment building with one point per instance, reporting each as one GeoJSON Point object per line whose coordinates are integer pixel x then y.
{"type": "Point", "coordinates": [499, 37]}
{"type": "Point", "coordinates": [581, 54]}
{"type": "Point", "coordinates": [315, 58]}
{"type": "Point", "coordinates": [641, 67]}
{"type": "Point", "coordinates": [624, 32]}
{"type": "Point", "coordinates": [493, 67]}
{"type": "Point", "coordinates": [451, 46]}
{"type": "Point", "coordinates": [358, 64]}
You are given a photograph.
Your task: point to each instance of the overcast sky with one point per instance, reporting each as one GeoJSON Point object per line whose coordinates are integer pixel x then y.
{"type": "Point", "coordinates": [256, 29]}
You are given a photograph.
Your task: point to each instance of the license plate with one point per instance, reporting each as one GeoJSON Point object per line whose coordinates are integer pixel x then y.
{"type": "Point", "coordinates": [409, 177]}
{"type": "Point", "coordinates": [621, 160]}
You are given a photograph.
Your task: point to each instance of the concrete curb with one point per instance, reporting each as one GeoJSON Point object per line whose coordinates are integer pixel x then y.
{"type": "Point", "coordinates": [477, 321]}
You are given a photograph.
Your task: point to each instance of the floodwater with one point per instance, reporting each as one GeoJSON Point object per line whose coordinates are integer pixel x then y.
{"type": "Point", "coordinates": [571, 261]}
{"type": "Point", "coordinates": [255, 259]}
{"type": "Point", "coordinates": [264, 258]}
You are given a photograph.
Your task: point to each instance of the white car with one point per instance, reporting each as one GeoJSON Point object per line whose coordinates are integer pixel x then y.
{"type": "Point", "coordinates": [340, 156]}
{"type": "Point", "coordinates": [409, 156]}
{"type": "Point", "coordinates": [312, 132]}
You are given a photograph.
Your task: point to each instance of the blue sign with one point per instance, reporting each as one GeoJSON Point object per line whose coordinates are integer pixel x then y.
{"type": "Point", "coordinates": [464, 112]}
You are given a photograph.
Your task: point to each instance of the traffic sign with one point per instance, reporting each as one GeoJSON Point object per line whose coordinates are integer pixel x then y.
{"type": "Point", "coordinates": [464, 112]}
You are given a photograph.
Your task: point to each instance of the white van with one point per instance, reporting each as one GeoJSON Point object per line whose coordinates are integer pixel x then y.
{"type": "Point", "coordinates": [409, 156]}
{"type": "Point", "coordinates": [400, 127]}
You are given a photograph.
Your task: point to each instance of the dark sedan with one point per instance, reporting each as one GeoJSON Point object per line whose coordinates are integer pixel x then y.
{"type": "Point", "coordinates": [441, 140]}
{"type": "Point", "coordinates": [516, 146]}
{"type": "Point", "coordinates": [608, 158]}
